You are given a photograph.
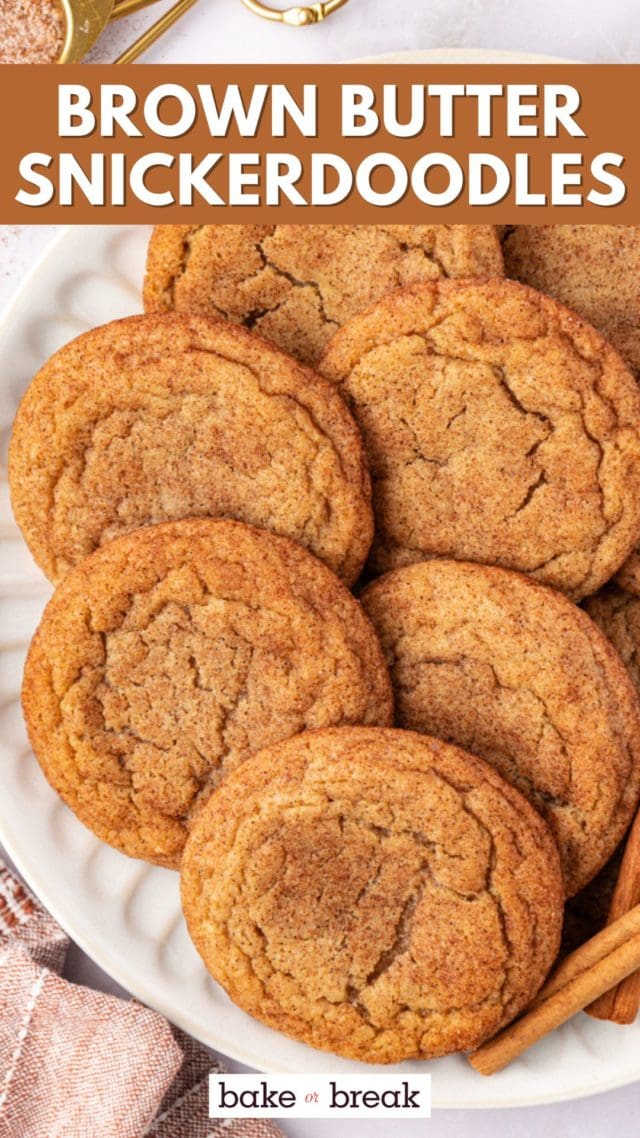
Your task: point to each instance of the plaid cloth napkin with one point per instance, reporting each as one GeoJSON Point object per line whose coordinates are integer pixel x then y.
{"type": "Point", "coordinates": [75, 1063]}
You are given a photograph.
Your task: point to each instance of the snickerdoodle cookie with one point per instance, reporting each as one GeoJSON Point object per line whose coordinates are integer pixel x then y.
{"type": "Point", "coordinates": [617, 613]}
{"type": "Point", "coordinates": [296, 284]}
{"type": "Point", "coordinates": [628, 577]}
{"type": "Point", "coordinates": [497, 663]}
{"type": "Point", "coordinates": [374, 893]}
{"type": "Point", "coordinates": [155, 418]}
{"type": "Point", "coordinates": [594, 269]}
{"type": "Point", "coordinates": [499, 428]}
{"type": "Point", "coordinates": [172, 653]}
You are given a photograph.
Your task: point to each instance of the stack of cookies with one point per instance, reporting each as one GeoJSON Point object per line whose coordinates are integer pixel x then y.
{"type": "Point", "coordinates": [318, 524]}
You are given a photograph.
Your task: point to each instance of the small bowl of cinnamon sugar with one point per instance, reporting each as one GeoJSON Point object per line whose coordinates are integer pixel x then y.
{"type": "Point", "coordinates": [55, 31]}
{"type": "Point", "coordinates": [31, 31]}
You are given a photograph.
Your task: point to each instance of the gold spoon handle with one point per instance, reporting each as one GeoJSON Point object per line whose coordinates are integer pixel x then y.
{"type": "Point", "coordinates": [295, 17]}
{"type": "Point", "coordinates": [84, 20]}
{"type": "Point", "coordinates": [127, 7]}
{"type": "Point", "coordinates": [155, 31]}
{"type": "Point", "coordinates": [317, 11]}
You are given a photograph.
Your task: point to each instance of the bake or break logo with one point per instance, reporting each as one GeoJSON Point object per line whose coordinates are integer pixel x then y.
{"type": "Point", "coordinates": [320, 1096]}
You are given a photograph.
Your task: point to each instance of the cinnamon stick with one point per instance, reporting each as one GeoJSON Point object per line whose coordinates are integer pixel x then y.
{"type": "Point", "coordinates": [621, 1004]}
{"type": "Point", "coordinates": [589, 954]}
{"type": "Point", "coordinates": [593, 969]}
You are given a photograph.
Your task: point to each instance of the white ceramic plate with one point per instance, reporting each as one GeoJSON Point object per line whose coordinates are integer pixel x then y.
{"type": "Point", "coordinates": [124, 913]}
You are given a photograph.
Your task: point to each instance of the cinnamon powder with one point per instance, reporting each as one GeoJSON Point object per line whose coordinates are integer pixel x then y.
{"type": "Point", "coordinates": [31, 31]}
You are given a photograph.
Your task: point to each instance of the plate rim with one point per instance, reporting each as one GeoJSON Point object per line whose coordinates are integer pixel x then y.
{"type": "Point", "coordinates": [139, 991]}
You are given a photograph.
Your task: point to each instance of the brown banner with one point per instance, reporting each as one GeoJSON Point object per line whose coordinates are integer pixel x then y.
{"type": "Point", "coordinates": [443, 143]}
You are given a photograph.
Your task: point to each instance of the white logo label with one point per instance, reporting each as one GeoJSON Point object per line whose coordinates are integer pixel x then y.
{"type": "Point", "coordinates": [320, 1096]}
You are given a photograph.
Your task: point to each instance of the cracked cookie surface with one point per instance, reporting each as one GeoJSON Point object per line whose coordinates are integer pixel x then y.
{"type": "Point", "coordinates": [595, 269]}
{"type": "Point", "coordinates": [512, 671]}
{"type": "Point", "coordinates": [172, 654]}
{"type": "Point", "coordinates": [617, 614]}
{"type": "Point", "coordinates": [296, 284]}
{"type": "Point", "coordinates": [499, 428]}
{"type": "Point", "coordinates": [154, 418]}
{"type": "Point", "coordinates": [374, 893]}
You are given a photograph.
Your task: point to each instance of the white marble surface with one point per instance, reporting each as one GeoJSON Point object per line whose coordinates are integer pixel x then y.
{"type": "Point", "coordinates": [217, 31]}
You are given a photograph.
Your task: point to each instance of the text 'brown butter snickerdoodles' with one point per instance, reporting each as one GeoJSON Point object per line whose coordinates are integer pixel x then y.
{"type": "Point", "coordinates": [374, 893]}
{"type": "Point", "coordinates": [171, 654]}
{"type": "Point", "coordinates": [296, 284]}
{"type": "Point", "coordinates": [499, 428]}
{"type": "Point", "coordinates": [500, 664]}
{"type": "Point", "coordinates": [155, 418]}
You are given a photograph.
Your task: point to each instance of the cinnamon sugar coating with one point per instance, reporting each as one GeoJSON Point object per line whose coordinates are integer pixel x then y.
{"type": "Point", "coordinates": [296, 284]}
{"type": "Point", "coordinates": [513, 671]}
{"type": "Point", "coordinates": [374, 893]}
{"type": "Point", "coordinates": [170, 655]}
{"type": "Point", "coordinates": [499, 428]}
{"type": "Point", "coordinates": [154, 418]}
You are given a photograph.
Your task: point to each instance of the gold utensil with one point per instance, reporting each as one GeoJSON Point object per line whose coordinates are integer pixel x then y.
{"type": "Point", "coordinates": [155, 31]}
{"type": "Point", "coordinates": [84, 21]}
{"type": "Point", "coordinates": [295, 17]}
{"type": "Point", "coordinates": [127, 7]}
